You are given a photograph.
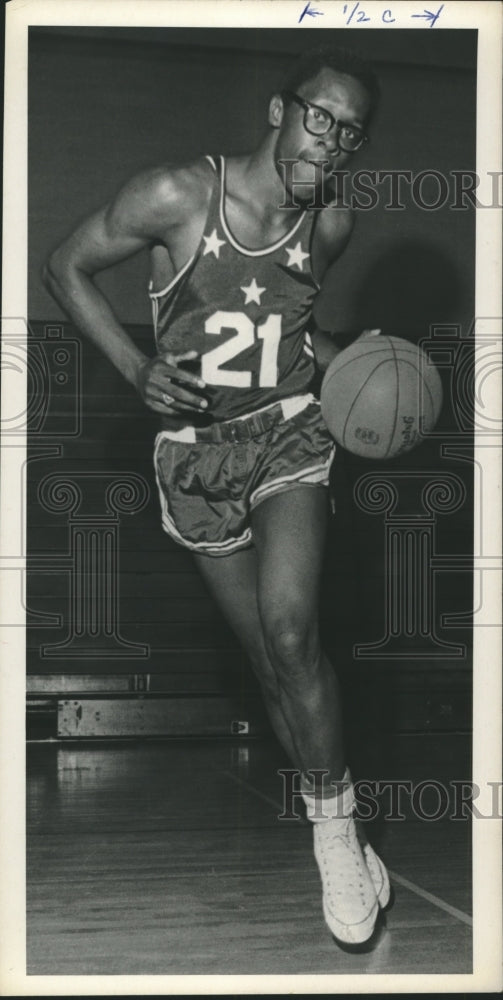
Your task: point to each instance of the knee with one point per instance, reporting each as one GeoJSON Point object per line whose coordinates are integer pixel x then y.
{"type": "Point", "coordinates": [293, 647]}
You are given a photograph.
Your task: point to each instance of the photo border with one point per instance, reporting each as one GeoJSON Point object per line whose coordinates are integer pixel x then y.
{"type": "Point", "coordinates": [487, 19]}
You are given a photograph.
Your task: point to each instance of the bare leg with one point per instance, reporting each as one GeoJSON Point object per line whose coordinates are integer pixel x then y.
{"type": "Point", "coordinates": [232, 581]}
{"type": "Point", "coordinates": [270, 599]}
{"type": "Point", "coordinates": [289, 531]}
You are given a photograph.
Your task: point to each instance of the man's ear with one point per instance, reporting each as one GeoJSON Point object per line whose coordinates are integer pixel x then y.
{"type": "Point", "coordinates": [276, 109]}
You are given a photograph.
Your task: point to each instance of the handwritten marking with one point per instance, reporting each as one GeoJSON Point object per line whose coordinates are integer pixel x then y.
{"type": "Point", "coordinates": [311, 12]}
{"type": "Point", "coordinates": [428, 15]}
{"type": "Point", "coordinates": [355, 13]}
{"type": "Point", "coordinates": [361, 14]}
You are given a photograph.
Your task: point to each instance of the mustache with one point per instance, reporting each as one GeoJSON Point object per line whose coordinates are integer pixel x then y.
{"type": "Point", "coordinates": [324, 162]}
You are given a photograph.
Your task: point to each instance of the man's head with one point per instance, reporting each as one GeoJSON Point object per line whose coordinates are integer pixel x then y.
{"type": "Point", "coordinates": [339, 60]}
{"type": "Point", "coordinates": [322, 113]}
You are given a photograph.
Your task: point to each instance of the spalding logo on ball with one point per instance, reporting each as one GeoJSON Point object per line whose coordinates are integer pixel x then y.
{"type": "Point", "coordinates": [380, 396]}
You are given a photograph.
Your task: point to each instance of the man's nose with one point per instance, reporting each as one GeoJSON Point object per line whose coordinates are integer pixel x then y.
{"type": "Point", "coordinates": [331, 139]}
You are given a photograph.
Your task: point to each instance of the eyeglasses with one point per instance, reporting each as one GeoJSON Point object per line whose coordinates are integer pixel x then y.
{"type": "Point", "coordinates": [319, 121]}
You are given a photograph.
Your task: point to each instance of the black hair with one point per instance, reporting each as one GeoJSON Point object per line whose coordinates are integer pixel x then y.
{"type": "Point", "coordinates": [342, 60]}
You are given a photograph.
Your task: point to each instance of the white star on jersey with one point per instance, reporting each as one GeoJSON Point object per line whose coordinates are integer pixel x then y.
{"type": "Point", "coordinates": [296, 256]}
{"type": "Point", "coordinates": [252, 292]}
{"type": "Point", "coordinates": [213, 244]}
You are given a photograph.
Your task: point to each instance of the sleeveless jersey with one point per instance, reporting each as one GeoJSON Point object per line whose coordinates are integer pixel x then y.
{"type": "Point", "coordinates": [244, 311]}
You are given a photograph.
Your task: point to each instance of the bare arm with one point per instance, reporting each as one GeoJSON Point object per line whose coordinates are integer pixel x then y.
{"type": "Point", "coordinates": [332, 235]}
{"type": "Point", "coordinates": [143, 211]}
{"type": "Point", "coordinates": [326, 348]}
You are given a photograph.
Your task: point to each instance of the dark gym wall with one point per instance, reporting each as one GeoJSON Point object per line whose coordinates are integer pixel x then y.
{"type": "Point", "coordinates": [104, 105]}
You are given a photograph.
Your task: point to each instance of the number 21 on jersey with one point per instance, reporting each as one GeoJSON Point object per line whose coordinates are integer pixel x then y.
{"type": "Point", "coordinates": [244, 337]}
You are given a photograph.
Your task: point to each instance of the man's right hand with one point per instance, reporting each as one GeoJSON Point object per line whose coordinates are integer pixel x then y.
{"type": "Point", "coordinates": [166, 388]}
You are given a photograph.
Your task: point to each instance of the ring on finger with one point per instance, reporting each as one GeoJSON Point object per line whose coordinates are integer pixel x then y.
{"type": "Point", "coordinates": [167, 399]}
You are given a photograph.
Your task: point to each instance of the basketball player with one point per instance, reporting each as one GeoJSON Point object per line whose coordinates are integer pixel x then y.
{"type": "Point", "coordinates": [243, 456]}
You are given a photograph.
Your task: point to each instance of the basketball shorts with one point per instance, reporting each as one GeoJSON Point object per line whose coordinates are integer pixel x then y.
{"type": "Point", "coordinates": [211, 478]}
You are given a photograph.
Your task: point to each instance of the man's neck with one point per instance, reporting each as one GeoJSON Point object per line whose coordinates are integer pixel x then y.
{"type": "Point", "coordinates": [256, 174]}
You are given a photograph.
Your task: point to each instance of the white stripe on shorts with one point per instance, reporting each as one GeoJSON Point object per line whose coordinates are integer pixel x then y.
{"type": "Point", "coordinates": [316, 474]}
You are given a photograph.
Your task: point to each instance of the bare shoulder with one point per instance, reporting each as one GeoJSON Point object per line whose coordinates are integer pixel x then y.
{"type": "Point", "coordinates": [185, 186]}
{"type": "Point", "coordinates": [169, 194]}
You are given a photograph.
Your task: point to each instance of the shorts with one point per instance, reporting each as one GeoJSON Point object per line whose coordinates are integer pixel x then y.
{"type": "Point", "coordinates": [208, 487]}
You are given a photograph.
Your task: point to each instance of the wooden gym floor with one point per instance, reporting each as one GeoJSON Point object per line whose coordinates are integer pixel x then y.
{"type": "Point", "coordinates": [168, 858]}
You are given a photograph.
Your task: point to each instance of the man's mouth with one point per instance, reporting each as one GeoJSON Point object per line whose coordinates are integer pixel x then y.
{"type": "Point", "coordinates": [325, 163]}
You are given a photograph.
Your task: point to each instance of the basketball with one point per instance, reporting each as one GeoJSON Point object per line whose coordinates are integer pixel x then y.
{"type": "Point", "coordinates": [380, 396]}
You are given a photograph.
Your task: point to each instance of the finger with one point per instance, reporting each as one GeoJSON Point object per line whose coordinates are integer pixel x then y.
{"type": "Point", "coordinates": [168, 377]}
{"type": "Point", "coordinates": [173, 395]}
{"type": "Point", "coordinates": [171, 362]}
{"type": "Point", "coordinates": [174, 359]}
{"type": "Point", "coordinates": [178, 407]}
{"type": "Point", "coordinates": [173, 409]}
{"type": "Point", "coordinates": [187, 356]}
{"type": "Point", "coordinates": [188, 378]}
{"type": "Point", "coordinates": [167, 411]}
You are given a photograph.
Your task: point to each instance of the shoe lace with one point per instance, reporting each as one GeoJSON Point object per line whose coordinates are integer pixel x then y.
{"type": "Point", "coordinates": [329, 833]}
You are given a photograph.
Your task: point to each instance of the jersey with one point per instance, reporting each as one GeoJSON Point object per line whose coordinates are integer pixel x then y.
{"type": "Point", "coordinates": [244, 311]}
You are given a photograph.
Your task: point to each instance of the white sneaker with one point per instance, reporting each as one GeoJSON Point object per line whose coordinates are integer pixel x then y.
{"type": "Point", "coordinates": [350, 903]}
{"type": "Point", "coordinates": [377, 869]}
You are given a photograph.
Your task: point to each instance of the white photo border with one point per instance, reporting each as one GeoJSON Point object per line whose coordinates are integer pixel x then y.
{"type": "Point", "coordinates": [486, 17]}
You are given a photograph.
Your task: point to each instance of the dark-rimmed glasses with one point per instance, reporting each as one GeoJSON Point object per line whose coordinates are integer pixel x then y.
{"type": "Point", "coordinates": [319, 121]}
